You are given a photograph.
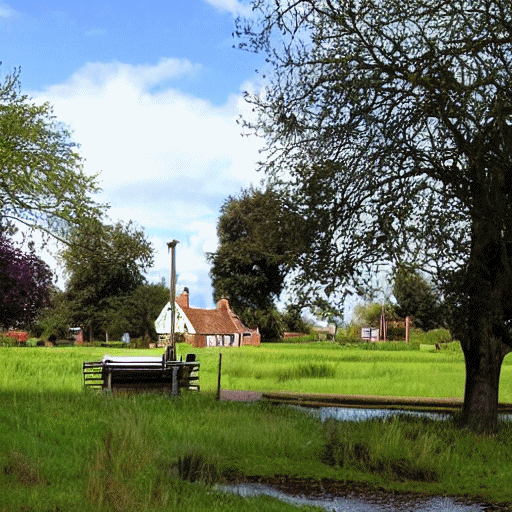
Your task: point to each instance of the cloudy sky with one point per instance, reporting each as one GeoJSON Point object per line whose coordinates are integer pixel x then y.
{"type": "Point", "coordinates": [152, 91]}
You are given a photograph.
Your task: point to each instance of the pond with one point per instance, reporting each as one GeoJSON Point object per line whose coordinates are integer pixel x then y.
{"type": "Point", "coordinates": [358, 501]}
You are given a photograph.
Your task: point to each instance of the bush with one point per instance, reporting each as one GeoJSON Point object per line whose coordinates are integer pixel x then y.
{"type": "Point", "coordinates": [139, 343]}
{"type": "Point", "coordinates": [8, 341]}
{"type": "Point", "coordinates": [348, 339]}
{"type": "Point", "coordinates": [308, 338]}
{"type": "Point", "coordinates": [438, 336]}
{"type": "Point", "coordinates": [395, 332]}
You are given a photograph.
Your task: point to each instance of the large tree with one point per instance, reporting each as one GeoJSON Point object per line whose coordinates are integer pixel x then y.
{"type": "Point", "coordinates": [259, 240]}
{"type": "Point", "coordinates": [390, 123]}
{"type": "Point", "coordinates": [25, 282]}
{"type": "Point", "coordinates": [136, 312]}
{"type": "Point", "coordinates": [42, 184]}
{"type": "Point", "coordinates": [103, 262]}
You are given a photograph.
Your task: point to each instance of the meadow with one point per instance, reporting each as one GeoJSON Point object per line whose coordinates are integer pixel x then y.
{"type": "Point", "coordinates": [62, 448]}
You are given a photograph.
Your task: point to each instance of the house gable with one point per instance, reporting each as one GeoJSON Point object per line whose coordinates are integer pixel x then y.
{"type": "Point", "coordinates": [209, 327]}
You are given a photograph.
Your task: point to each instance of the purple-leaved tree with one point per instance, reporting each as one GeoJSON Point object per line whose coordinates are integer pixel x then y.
{"type": "Point", "coordinates": [24, 285]}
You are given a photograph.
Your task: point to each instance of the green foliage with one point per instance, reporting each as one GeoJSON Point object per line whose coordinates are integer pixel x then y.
{"type": "Point", "coordinates": [294, 322]}
{"type": "Point", "coordinates": [441, 336]}
{"type": "Point", "coordinates": [417, 298]}
{"type": "Point", "coordinates": [368, 315]}
{"type": "Point", "coordinates": [250, 264]}
{"type": "Point", "coordinates": [42, 184]}
{"type": "Point", "coordinates": [269, 322]}
{"type": "Point", "coordinates": [8, 341]}
{"type": "Point", "coordinates": [389, 123]}
{"type": "Point", "coordinates": [395, 332]}
{"type": "Point", "coordinates": [105, 265]}
{"type": "Point", "coordinates": [136, 311]}
{"type": "Point", "coordinates": [259, 239]}
{"type": "Point", "coordinates": [56, 319]}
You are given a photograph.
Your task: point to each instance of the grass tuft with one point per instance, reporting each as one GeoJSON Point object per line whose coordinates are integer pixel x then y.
{"type": "Point", "coordinates": [193, 466]}
{"type": "Point", "coordinates": [383, 447]}
{"type": "Point", "coordinates": [23, 469]}
{"type": "Point", "coordinates": [307, 371]}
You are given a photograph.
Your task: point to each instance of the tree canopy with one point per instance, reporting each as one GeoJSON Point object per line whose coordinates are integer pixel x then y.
{"type": "Point", "coordinates": [390, 124]}
{"type": "Point", "coordinates": [25, 282]}
{"type": "Point", "coordinates": [259, 240]}
{"type": "Point", "coordinates": [416, 298]}
{"type": "Point", "coordinates": [103, 262]}
{"type": "Point", "coordinates": [42, 184]}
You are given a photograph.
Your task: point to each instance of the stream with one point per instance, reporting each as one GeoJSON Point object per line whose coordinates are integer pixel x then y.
{"type": "Point", "coordinates": [360, 501]}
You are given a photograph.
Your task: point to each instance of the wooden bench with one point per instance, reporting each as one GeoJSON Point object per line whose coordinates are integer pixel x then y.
{"type": "Point", "coordinates": [142, 374]}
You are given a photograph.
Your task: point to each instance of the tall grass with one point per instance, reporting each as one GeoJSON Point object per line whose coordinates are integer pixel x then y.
{"type": "Point", "coordinates": [422, 452]}
{"type": "Point", "coordinates": [310, 368]}
{"type": "Point", "coordinates": [93, 451]}
{"type": "Point", "coordinates": [65, 449]}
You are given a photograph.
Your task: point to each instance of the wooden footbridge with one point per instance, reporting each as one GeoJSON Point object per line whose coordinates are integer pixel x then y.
{"type": "Point", "coordinates": [371, 402]}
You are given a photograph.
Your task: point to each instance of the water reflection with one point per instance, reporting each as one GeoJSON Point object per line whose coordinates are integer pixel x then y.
{"type": "Point", "coordinates": [355, 503]}
{"type": "Point", "coordinates": [358, 414]}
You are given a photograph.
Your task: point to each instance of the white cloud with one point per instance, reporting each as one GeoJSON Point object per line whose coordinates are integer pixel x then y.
{"type": "Point", "coordinates": [7, 11]}
{"type": "Point", "coordinates": [167, 159]}
{"type": "Point", "coordinates": [233, 6]}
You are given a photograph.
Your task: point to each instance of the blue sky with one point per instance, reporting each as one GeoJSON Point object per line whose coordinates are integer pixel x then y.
{"type": "Point", "coordinates": [152, 91]}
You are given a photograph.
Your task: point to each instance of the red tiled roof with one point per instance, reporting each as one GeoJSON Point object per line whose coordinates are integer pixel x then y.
{"type": "Point", "coordinates": [211, 321]}
{"type": "Point", "coordinates": [221, 320]}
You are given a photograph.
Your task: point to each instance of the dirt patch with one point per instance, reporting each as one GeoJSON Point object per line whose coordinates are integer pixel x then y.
{"type": "Point", "coordinates": [239, 396]}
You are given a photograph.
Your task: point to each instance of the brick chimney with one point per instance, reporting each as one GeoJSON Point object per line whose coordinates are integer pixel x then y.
{"type": "Point", "coordinates": [182, 300]}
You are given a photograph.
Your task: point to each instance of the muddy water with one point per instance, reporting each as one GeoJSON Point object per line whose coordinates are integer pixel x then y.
{"type": "Point", "coordinates": [352, 502]}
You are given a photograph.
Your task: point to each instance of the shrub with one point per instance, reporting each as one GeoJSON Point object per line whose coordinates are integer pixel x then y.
{"type": "Point", "coordinates": [345, 339]}
{"type": "Point", "coordinates": [438, 336]}
{"type": "Point", "coordinates": [7, 341]}
{"type": "Point", "coordinates": [395, 332]}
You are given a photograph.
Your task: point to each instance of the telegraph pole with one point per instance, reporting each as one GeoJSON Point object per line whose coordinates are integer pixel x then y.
{"type": "Point", "coordinates": [171, 348]}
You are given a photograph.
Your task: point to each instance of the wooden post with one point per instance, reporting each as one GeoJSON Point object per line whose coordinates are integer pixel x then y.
{"type": "Point", "coordinates": [407, 329]}
{"type": "Point", "coordinates": [175, 387]}
{"type": "Point", "coordinates": [218, 378]}
{"type": "Point", "coordinates": [171, 348]}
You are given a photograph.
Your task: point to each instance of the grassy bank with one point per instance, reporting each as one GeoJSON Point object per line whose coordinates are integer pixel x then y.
{"type": "Point", "coordinates": [330, 368]}
{"type": "Point", "coordinates": [62, 449]}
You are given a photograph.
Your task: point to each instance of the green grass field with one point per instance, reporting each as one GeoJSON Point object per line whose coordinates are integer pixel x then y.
{"type": "Point", "coordinates": [63, 449]}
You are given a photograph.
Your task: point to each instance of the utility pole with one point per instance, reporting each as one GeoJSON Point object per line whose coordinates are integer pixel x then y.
{"type": "Point", "coordinates": [170, 352]}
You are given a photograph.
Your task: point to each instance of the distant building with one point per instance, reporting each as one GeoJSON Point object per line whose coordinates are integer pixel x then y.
{"type": "Point", "coordinates": [218, 327]}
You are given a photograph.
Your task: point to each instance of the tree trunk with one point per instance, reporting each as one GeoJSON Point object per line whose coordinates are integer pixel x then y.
{"type": "Point", "coordinates": [483, 358]}
{"type": "Point", "coordinates": [485, 331]}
